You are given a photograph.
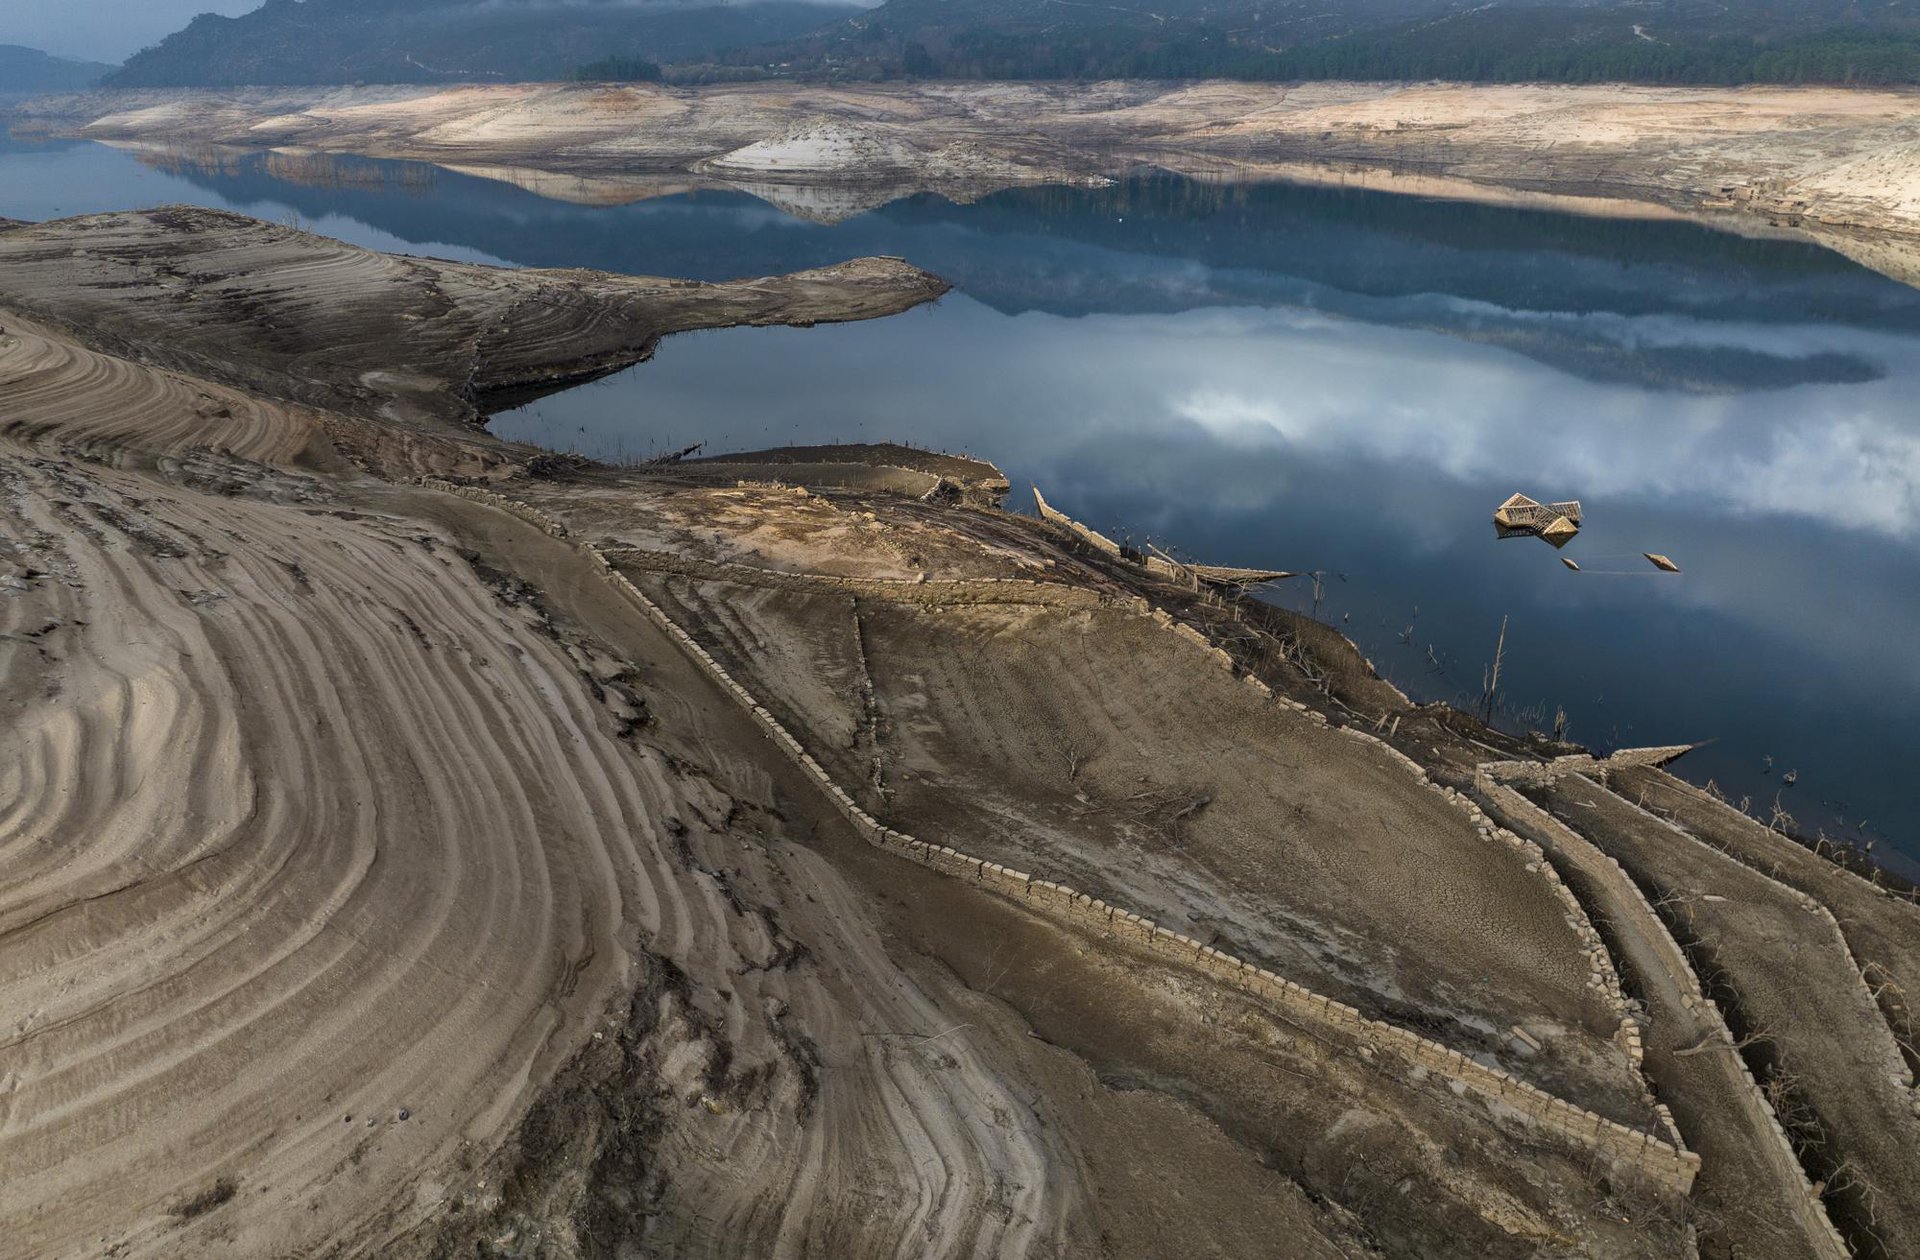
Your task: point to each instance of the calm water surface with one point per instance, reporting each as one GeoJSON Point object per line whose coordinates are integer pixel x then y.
{"type": "Point", "coordinates": [1317, 380]}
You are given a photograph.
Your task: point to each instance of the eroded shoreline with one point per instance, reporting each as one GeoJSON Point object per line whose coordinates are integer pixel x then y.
{"type": "Point", "coordinates": [1836, 166]}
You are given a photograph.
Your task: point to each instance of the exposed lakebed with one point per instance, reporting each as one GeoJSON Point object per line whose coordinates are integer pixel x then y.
{"type": "Point", "coordinates": [1320, 380]}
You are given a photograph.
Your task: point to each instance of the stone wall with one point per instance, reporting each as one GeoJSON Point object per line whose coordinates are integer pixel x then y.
{"type": "Point", "coordinates": [1490, 782]}
{"type": "Point", "coordinates": [918, 590]}
{"type": "Point", "coordinates": [1664, 1163]}
{"type": "Point", "coordinates": [1103, 544]}
{"type": "Point", "coordinates": [1738, 818]}
{"type": "Point", "coordinates": [1092, 537]}
{"type": "Point", "coordinates": [526, 512]}
{"type": "Point", "coordinates": [1543, 772]}
{"type": "Point", "coordinates": [1524, 772]}
{"type": "Point", "coordinates": [1162, 569]}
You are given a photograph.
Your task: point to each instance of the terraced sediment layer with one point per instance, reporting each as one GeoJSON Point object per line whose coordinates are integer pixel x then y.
{"type": "Point", "coordinates": [1799, 1001]}
{"type": "Point", "coordinates": [1834, 164]}
{"type": "Point", "coordinates": [272, 926]}
{"type": "Point", "coordinates": [1752, 1191]}
{"type": "Point", "coordinates": [1881, 929]}
{"type": "Point", "coordinates": [332, 848]}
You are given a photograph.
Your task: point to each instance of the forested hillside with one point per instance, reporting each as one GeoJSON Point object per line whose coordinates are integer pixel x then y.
{"type": "Point", "coordinates": [25, 70]}
{"type": "Point", "coordinates": [1572, 41]}
{"type": "Point", "coordinates": [1658, 41]}
{"type": "Point", "coordinates": [432, 41]}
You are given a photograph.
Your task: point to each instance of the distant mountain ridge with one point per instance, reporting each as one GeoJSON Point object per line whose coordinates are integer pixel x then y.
{"type": "Point", "coordinates": [24, 70]}
{"type": "Point", "coordinates": [290, 42]}
{"type": "Point", "coordinates": [1647, 41]}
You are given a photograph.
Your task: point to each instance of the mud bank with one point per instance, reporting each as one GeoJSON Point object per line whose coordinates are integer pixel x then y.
{"type": "Point", "coordinates": [411, 340]}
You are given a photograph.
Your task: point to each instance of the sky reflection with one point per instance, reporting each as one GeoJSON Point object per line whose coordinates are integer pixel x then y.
{"type": "Point", "coordinates": [1293, 438]}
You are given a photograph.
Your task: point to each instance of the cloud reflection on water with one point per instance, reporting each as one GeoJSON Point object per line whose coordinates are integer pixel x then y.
{"type": "Point", "coordinates": [1295, 437]}
{"type": "Point", "coordinates": [1316, 379]}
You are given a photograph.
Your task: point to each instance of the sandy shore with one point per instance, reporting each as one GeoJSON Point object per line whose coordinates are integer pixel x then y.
{"type": "Point", "coordinates": [1839, 166]}
{"type": "Point", "coordinates": [380, 879]}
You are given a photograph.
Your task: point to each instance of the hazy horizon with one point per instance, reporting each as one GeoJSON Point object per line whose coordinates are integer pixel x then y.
{"type": "Point", "coordinates": [103, 30]}
{"type": "Point", "coordinates": [113, 30]}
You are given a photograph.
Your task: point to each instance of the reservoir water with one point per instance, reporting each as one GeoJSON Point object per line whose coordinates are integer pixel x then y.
{"type": "Point", "coordinates": [1324, 380]}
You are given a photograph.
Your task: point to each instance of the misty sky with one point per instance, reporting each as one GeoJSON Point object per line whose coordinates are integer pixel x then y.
{"type": "Point", "coordinates": [102, 30]}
